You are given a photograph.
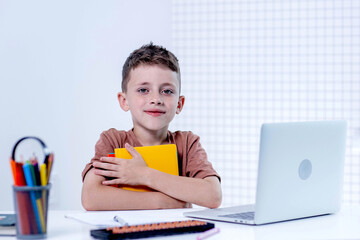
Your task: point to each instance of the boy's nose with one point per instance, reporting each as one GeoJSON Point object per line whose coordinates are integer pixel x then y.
{"type": "Point", "coordinates": [156, 99]}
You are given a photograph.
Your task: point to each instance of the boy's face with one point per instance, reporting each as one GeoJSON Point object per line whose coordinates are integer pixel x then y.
{"type": "Point", "coordinates": [152, 96]}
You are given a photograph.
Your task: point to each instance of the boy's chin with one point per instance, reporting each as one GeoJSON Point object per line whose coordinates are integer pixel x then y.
{"type": "Point", "coordinates": [159, 128]}
{"type": "Point", "coordinates": [151, 125]}
{"type": "Point", "coordinates": [155, 127]}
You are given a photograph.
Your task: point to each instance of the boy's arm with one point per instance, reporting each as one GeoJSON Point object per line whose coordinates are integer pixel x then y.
{"type": "Point", "coordinates": [204, 192]}
{"type": "Point", "coordinates": [96, 196]}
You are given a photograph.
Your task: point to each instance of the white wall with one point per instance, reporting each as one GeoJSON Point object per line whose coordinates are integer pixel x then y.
{"type": "Point", "coordinates": [60, 71]}
{"type": "Point", "coordinates": [252, 62]}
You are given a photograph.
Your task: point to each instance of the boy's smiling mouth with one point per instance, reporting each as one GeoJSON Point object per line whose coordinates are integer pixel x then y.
{"type": "Point", "coordinates": [154, 112]}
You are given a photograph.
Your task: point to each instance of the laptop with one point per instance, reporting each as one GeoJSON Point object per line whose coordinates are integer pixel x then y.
{"type": "Point", "coordinates": [300, 174]}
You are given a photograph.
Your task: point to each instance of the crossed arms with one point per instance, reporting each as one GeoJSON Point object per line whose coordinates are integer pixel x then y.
{"type": "Point", "coordinates": [170, 191]}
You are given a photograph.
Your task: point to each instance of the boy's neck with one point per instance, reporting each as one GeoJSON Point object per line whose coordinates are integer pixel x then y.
{"type": "Point", "coordinates": [151, 138]}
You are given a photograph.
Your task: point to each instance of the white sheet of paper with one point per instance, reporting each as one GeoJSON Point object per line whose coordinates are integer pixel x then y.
{"type": "Point", "coordinates": [106, 218]}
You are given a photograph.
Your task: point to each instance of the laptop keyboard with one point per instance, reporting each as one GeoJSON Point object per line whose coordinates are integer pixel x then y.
{"type": "Point", "coordinates": [243, 215]}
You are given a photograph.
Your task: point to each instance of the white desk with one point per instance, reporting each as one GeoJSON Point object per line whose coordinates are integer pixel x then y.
{"type": "Point", "coordinates": [343, 225]}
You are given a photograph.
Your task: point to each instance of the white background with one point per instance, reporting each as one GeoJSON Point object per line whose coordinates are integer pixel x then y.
{"type": "Point", "coordinates": [60, 71]}
{"type": "Point", "coordinates": [251, 62]}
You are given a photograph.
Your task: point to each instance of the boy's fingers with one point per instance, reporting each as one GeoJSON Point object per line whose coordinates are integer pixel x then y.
{"type": "Point", "coordinates": [105, 173]}
{"type": "Point", "coordinates": [132, 150]}
{"type": "Point", "coordinates": [112, 160]}
{"type": "Point", "coordinates": [104, 165]}
{"type": "Point", "coordinates": [109, 159]}
{"type": "Point", "coordinates": [113, 181]}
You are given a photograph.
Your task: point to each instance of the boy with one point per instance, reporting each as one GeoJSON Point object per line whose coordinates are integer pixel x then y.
{"type": "Point", "coordinates": [151, 91]}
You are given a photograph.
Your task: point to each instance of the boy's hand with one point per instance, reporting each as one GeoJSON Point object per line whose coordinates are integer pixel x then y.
{"type": "Point", "coordinates": [125, 171]}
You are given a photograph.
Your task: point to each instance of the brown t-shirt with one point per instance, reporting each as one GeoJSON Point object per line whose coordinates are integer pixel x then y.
{"type": "Point", "coordinates": [191, 156]}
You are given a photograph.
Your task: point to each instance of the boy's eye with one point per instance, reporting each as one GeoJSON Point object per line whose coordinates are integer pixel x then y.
{"type": "Point", "coordinates": [168, 91]}
{"type": "Point", "coordinates": [143, 90]}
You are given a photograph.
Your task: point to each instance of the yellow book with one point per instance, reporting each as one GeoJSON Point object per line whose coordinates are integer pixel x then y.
{"type": "Point", "coordinates": [159, 157]}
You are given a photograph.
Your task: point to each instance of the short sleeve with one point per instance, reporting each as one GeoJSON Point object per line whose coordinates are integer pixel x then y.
{"type": "Point", "coordinates": [197, 165]}
{"type": "Point", "coordinates": [106, 144]}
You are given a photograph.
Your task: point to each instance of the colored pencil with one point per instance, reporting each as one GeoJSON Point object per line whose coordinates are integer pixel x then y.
{"type": "Point", "coordinates": [21, 198]}
{"type": "Point", "coordinates": [29, 176]}
{"type": "Point", "coordinates": [49, 166]}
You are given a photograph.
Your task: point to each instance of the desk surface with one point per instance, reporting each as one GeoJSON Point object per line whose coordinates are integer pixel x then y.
{"type": "Point", "coordinates": [343, 225]}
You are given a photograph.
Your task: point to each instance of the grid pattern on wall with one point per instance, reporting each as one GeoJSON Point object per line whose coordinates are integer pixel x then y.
{"type": "Point", "coordinates": [244, 63]}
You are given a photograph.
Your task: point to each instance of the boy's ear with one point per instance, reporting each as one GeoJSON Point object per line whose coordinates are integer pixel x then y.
{"type": "Point", "coordinates": [123, 102]}
{"type": "Point", "coordinates": [180, 105]}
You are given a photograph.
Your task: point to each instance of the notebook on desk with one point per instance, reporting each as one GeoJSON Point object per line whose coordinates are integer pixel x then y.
{"type": "Point", "coordinates": [160, 157]}
{"type": "Point", "coordinates": [300, 174]}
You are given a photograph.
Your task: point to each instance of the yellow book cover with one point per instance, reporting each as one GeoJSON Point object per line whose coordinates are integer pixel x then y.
{"type": "Point", "coordinates": [159, 157]}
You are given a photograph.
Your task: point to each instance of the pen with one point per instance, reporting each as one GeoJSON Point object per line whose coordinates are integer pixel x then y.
{"type": "Point", "coordinates": [208, 233]}
{"type": "Point", "coordinates": [120, 220]}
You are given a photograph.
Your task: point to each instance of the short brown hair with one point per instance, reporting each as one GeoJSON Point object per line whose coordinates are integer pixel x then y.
{"type": "Point", "coordinates": [149, 54]}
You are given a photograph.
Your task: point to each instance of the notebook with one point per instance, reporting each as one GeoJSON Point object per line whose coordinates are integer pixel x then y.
{"type": "Point", "coordinates": [300, 174]}
{"type": "Point", "coordinates": [160, 157]}
{"type": "Point", "coordinates": [7, 225]}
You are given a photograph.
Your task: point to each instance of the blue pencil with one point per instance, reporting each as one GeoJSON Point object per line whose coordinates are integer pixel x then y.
{"type": "Point", "coordinates": [29, 182]}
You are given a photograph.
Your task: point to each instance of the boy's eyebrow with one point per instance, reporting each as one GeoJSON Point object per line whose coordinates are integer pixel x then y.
{"type": "Point", "coordinates": [143, 83]}
{"type": "Point", "coordinates": [162, 85]}
{"type": "Point", "coordinates": [168, 84]}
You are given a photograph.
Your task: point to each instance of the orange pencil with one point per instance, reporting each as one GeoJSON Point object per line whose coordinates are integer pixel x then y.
{"type": "Point", "coordinates": [13, 170]}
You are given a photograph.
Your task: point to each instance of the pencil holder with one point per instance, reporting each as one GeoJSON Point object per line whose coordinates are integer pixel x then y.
{"type": "Point", "coordinates": [31, 207]}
